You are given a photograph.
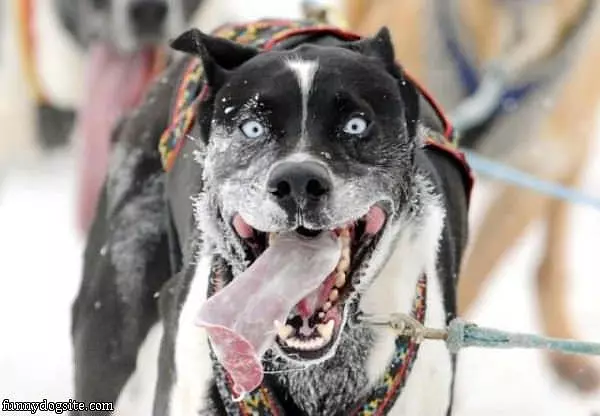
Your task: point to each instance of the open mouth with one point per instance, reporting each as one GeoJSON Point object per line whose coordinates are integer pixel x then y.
{"type": "Point", "coordinates": [314, 323]}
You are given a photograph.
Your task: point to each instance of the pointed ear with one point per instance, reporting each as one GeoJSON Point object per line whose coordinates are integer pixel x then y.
{"type": "Point", "coordinates": [218, 55]}
{"type": "Point", "coordinates": [380, 46]}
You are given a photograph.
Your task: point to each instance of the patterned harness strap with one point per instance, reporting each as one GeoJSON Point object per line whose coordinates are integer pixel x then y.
{"type": "Point", "coordinates": [265, 34]}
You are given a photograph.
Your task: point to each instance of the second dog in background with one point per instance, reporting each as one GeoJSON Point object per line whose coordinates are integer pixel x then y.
{"type": "Point", "coordinates": [119, 46]}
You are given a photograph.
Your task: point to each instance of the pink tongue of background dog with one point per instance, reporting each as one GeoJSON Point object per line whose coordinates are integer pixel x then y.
{"type": "Point", "coordinates": [114, 84]}
{"type": "Point", "coordinates": [240, 317]}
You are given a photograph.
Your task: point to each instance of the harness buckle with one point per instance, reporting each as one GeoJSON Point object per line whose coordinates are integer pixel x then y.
{"type": "Point", "coordinates": [406, 326]}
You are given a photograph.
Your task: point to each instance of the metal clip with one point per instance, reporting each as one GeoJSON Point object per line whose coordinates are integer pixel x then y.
{"type": "Point", "coordinates": [405, 325]}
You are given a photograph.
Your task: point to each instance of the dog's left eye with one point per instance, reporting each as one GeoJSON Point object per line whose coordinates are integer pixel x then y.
{"type": "Point", "coordinates": [356, 126]}
{"type": "Point", "coordinates": [252, 129]}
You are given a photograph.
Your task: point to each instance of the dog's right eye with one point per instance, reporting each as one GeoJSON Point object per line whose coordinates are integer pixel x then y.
{"type": "Point", "coordinates": [252, 129]}
{"type": "Point", "coordinates": [356, 126]}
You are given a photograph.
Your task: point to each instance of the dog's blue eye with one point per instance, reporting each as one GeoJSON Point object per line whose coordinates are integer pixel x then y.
{"type": "Point", "coordinates": [356, 126]}
{"type": "Point", "coordinates": [252, 129]}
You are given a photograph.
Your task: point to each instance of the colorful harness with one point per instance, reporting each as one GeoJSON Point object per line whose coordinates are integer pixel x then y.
{"type": "Point", "coordinates": [265, 34]}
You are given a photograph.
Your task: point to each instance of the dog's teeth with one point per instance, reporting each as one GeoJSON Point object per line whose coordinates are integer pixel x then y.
{"type": "Point", "coordinates": [326, 330]}
{"type": "Point", "coordinates": [284, 331]}
{"type": "Point", "coordinates": [345, 233]}
{"type": "Point", "coordinates": [344, 262]}
{"type": "Point", "coordinates": [306, 345]}
{"type": "Point", "coordinates": [271, 237]}
{"type": "Point", "coordinates": [340, 279]}
{"type": "Point", "coordinates": [319, 342]}
{"type": "Point", "coordinates": [326, 306]}
{"type": "Point", "coordinates": [333, 296]}
{"type": "Point", "coordinates": [321, 315]}
{"type": "Point", "coordinates": [345, 238]}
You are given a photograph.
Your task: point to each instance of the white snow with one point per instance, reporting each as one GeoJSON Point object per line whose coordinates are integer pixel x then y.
{"type": "Point", "coordinates": [40, 261]}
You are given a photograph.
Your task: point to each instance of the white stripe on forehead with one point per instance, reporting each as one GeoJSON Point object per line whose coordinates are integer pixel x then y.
{"type": "Point", "coordinates": [305, 73]}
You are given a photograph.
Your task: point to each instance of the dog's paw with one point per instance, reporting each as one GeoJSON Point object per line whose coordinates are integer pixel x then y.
{"type": "Point", "coordinates": [579, 371]}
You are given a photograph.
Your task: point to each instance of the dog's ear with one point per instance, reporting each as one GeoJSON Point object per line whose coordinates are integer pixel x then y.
{"type": "Point", "coordinates": [380, 46]}
{"type": "Point", "coordinates": [218, 55]}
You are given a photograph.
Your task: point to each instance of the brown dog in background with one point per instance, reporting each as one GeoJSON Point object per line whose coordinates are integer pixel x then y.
{"type": "Point", "coordinates": [551, 145]}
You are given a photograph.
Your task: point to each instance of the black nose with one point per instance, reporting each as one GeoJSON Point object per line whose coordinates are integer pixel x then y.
{"type": "Point", "coordinates": [301, 182]}
{"type": "Point", "coordinates": [148, 16]}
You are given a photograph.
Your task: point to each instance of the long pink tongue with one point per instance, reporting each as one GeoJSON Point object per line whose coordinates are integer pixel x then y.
{"type": "Point", "coordinates": [240, 317]}
{"type": "Point", "coordinates": [115, 83]}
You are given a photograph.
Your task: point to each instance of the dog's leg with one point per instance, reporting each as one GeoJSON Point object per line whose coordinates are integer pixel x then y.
{"type": "Point", "coordinates": [552, 282]}
{"type": "Point", "coordinates": [110, 323]}
{"type": "Point", "coordinates": [190, 352]}
{"type": "Point", "coordinates": [567, 132]}
{"type": "Point", "coordinates": [510, 212]}
{"type": "Point", "coordinates": [561, 148]}
{"type": "Point", "coordinates": [576, 123]}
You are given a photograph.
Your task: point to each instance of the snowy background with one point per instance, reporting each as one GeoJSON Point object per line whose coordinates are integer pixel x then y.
{"type": "Point", "coordinates": [40, 259]}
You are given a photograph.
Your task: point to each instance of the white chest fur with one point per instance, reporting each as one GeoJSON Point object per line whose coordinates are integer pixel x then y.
{"type": "Point", "coordinates": [427, 389]}
{"type": "Point", "coordinates": [192, 352]}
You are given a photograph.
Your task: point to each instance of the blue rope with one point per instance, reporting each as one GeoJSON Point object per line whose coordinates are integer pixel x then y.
{"type": "Point", "coordinates": [463, 334]}
{"type": "Point", "coordinates": [514, 176]}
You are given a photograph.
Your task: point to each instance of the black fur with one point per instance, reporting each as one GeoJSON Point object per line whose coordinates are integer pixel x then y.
{"type": "Point", "coordinates": [164, 239]}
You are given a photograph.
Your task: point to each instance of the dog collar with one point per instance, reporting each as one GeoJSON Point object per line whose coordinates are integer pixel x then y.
{"type": "Point", "coordinates": [262, 401]}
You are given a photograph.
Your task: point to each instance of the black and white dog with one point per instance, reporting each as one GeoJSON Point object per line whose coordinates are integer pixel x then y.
{"type": "Point", "coordinates": [315, 141]}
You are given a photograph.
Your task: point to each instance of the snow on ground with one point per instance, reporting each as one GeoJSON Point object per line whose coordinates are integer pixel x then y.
{"type": "Point", "coordinates": [40, 258]}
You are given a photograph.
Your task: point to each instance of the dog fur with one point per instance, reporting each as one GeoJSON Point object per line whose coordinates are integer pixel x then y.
{"type": "Point", "coordinates": [551, 143]}
{"type": "Point", "coordinates": [157, 235]}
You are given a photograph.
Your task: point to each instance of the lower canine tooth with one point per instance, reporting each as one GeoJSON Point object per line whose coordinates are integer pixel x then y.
{"type": "Point", "coordinates": [284, 331]}
{"type": "Point", "coordinates": [340, 279]}
{"type": "Point", "coordinates": [271, 238]}
{"type": "Point", "coordinates": [333, 296]}
{"type": "Point", "coordinates": [344, 263]}
{"type": "Point", "coordinates": [326, 330]}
